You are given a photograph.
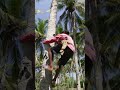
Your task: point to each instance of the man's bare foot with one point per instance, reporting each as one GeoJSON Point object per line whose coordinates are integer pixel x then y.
{"type": "Point", "coordinates": [50, 68]}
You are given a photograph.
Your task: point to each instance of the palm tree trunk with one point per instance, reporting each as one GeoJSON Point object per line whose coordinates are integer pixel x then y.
{"type": "Point", "coordinates": [47, 78]}
{"type": "Point", "coordinates": [77, 71]}
{"type": "Point", "coordinates": [76, 56]}
{"type": "Point", "coordinates": [52, 20]}
{"type": "Point", "coordinates": [91, 14]}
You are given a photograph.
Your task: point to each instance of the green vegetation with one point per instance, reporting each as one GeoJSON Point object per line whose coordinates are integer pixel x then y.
{"type": "Point", "coordinates": [67, 78]}
{"type": "Point", "coordinates": [12, 24]}
{"type": "Point", "coordinates": [103, 23]}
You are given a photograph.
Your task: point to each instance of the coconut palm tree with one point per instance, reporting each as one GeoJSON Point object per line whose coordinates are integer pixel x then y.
{"type": "Point", "coordinates": [52, 20]}
{"type": "Point", "coordinates": [72, 20]}
{"type": "Point", "coordinates": [40, 31]}
{"type": "Point", "coordinates": [49, 37]}
{"type": "Point", "coordinates": [71, 16]}
{"type": "Point", "coordinates": [70, 8]}
{"type": "Point", "coordinates": [11, 26]}
{"type": "Point", "coordinates": [47, 78]}
{"type": "Point", "coordinates": [106, 40]}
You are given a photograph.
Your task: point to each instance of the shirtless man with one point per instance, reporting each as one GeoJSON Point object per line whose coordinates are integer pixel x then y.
{"type": "Point", "coordinates": [65, 46]}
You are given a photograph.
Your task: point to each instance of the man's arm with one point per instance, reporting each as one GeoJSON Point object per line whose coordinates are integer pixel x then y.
{"type": "Point", "coordinates": [58, 38]}
{"type": "Point", "coordinates": [50, 40]}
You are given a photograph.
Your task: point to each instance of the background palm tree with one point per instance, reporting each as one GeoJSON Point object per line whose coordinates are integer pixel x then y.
{"type": "Point", "coordinates": [46, 81]}
{"type": "Point", "coordinates": [70, 9]}
{"type": "Point", "coordinates": [13, 23]}
{"type": "Point", "coordinates": [71, 18]}
{"type": "Point", "coordinates": [106, 40]}
{"type": "Point", "coordinates": [69, 67]}
{"type": "Point", "coordinates": [41, 28]}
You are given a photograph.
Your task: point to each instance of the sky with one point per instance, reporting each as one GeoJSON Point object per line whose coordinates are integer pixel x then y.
{"type": "Point", "coordinates": [43, 7]}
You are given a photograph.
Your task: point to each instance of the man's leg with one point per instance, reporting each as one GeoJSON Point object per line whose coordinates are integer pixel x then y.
{"type": "Point", "coordinates": [51, 51]}
{"type": "Point", "coordinates": [62, 62]}
{"type": "Point", "coordinates": [50, 54]}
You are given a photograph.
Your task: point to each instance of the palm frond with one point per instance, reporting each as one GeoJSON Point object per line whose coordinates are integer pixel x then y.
{"type": "Point", "coordinates": [9, 20]}
{"type": "Point", "coordinates": [113, 19]}
{"type": "Point", "coordinates": [62, 16]}
{"type": "Point", "coordinates": [78, 19]}
{"type": "Point", "coordinates": [42, 26]}
{"type": "Point", "coordinates": [111, 40]}
{"type": "Point", "coordinates": [61, 6]}
{"type": "Point", "coordinates": [59, 29]}
{"type": "Point", "coordinates": [12, 9]}
{"type": "Point", "coordinates": [80, 7]}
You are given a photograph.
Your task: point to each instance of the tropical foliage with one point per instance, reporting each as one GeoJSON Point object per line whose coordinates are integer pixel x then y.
{"type": "Point", "coordinates": [105, 31]}
{"type": "Point", "coordinates": [71, 8]}
{"type": "Point", "coordinates": [12, 25]}
{"type": "Point", "coordinates": [67, 78]}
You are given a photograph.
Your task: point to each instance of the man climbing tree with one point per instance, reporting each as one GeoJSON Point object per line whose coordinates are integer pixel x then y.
{"type": "Point", "coordinates": [64, 46]}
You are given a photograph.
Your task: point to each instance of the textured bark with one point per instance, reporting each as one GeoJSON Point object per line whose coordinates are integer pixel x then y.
{"type": "Point", "coordinates": [29, 16]}
{"type": "Point", "coordinates": [47, 75]}
{"type": "Point", "coordinates": [98, 74]}
{"type": "Point", "coordinates": [20, 69]}
{"type": "Point", "coordinates": [52, 20]}
{"type": "Point", "coordinates": [29, 83]}
{"type": "Point", "coordinates": [77, 71]}
{"type": "Point", "coordinates": [76, 58]}
{"type": "Point", "coordinates": [46, 80]}
{"type": "Point", "coordinates": [91, 14]}
{"type": "Point", "coordinates": [89, 46]}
